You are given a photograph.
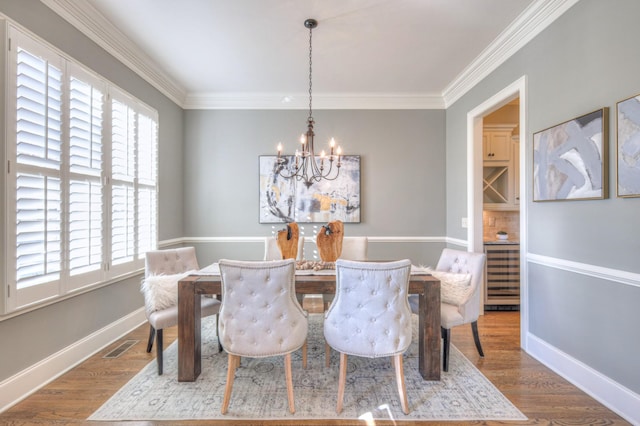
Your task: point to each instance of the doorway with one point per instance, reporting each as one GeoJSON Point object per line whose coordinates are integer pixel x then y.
{"type": "Point", "coordinates": [475, 205]}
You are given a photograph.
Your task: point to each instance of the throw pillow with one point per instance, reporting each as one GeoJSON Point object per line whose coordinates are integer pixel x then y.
{"type": "Point", "coordinates": [455, 288]}
{"type": "Point", "coordinates": [161, 291]}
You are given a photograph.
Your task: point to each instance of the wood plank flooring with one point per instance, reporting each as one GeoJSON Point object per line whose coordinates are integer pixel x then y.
{"type": "Point", "coordinates": [544, 397]}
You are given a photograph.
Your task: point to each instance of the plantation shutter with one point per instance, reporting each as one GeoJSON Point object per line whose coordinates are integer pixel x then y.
{"type": "Point", "coordinates": [147, 179]}
{"type": "Point", "coordinates": [86, 206]}
{"type": "Point", "coordinates": [38, 196]}
{"type": "Point", "coordinates": [123, 136]}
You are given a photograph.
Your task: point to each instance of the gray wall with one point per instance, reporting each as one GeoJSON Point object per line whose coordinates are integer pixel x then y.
{"type": "Point", "coordinates": [33, 336]}
{"type": "Point", "coordinates": [587, 59]}
{"type": "Point", "coordinates": [402, 175]}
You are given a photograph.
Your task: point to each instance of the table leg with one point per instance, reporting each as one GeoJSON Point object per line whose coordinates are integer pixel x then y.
{"type": "Point", "coordinates": [189, 328]}
{"type": "Point", "coordinates": [429, 332]}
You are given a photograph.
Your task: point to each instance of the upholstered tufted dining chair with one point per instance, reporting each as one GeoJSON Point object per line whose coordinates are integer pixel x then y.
{"type": "Point", "coordinates": [370, 316]}
{"type": "Point", "coordinates": [260, 316]}
{"type": "Point", "coordinates": [452, 312]}
{"type": "Point", "coordinates": [353, 248]}
{"type": "Point", "coordinates": [163, 269]}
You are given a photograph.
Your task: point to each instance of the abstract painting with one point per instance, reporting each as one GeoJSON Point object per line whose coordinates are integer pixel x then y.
{"type": "Point", "coordinates": [570, 159]}
{"type": "Point", "coordinates": [289, 200]}
{"type": "Point", "coordinates": [628, 147]}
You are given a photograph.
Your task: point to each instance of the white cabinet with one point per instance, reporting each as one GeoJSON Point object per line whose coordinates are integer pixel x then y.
{"type": "Point", "coordinates": [500, 183]}
{"type": "Point", "coordinates": [496, 144]}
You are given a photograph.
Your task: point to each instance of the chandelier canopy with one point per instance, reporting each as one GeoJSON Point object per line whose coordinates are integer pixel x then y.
{"type": "Point", "coordinates": [308, 166]}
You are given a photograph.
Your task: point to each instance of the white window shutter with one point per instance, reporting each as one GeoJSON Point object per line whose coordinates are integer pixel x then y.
{"type": "Point", "coordinates": [122, 224]}
{"type": "Point", "coordinates": [38, 193]}
{"type": "Point", "coordinates": [38, 220]}
{"type": "Point", "coordinates": [85, 196]}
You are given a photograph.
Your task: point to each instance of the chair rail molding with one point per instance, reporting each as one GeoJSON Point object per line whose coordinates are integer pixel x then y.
{"type": "Point", "coordinates": [609, 274]}
{"type": "Point", "coordinates": [253, 239]}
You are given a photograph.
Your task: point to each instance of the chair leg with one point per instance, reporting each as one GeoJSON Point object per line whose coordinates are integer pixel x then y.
{"type": "Point", "coordinates": [398, 364]}
{"type": "Point", "coordinates": [289, 378]}
{"type": "Point", "coordinates": [446, 335]}
{"type": "Point", "coordinates": [476, 338]}
{"type": "Point", "coordinates": [304, 354]}
{"type": "Point", "coordinates": [233, 363]}
{"type": "Point", "coordinates": [152, 334]}
{"type": "Point", "coordinates": [342, 379]}
{"type": "Point", "coordinates": [327, 355]}
{"type": "Point", "coordinates": [159, 347]}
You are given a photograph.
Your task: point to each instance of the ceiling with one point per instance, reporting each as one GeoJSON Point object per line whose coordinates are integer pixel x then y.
{"type": "Point", "coordinates": [241, 53]}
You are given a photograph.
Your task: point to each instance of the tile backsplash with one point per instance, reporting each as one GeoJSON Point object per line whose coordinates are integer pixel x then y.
{"type": "Point", "coordinates": [495, 220]}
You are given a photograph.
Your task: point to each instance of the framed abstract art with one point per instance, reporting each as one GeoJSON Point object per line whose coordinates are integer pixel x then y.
{"type": "Point", "coordinates": [289, 200]}
{"type": "Point", "coordinates": [570, 159]}
{"type": "Point", "coordinates": [628, 147]}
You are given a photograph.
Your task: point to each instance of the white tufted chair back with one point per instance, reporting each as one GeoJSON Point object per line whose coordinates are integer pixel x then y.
{"type": "Point", "coordinates": [370, 315]}
{"type": "Point", "coordinates": [260, 315]}
{"type": "Point", "coordinates": [170, 261]}
{"type": "Point", "coordinates": [354, 248]}
{"type": "Point", "coordinates": [464, 262]}
{"type": "Point", "coordinates": [272, 251]}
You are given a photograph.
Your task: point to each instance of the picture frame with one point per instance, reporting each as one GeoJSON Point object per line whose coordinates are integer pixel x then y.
{"type": "Point", "coordinates": [284, 200]}
{"type": "Point", "coordinates": [628, 147]}
{"type": "Point", "coordinates": [570, 159]}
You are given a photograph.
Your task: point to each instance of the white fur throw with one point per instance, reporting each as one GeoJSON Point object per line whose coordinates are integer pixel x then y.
{"type": "Point", "coordinates": [161, 291]}
{"type": "Point", "coordinates": [455, 289]}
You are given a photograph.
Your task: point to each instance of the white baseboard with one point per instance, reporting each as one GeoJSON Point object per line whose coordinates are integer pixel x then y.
{"type": "Point", "coordinates": [609, 393]}
{"type": "Point", "coordinates": [21, 385]}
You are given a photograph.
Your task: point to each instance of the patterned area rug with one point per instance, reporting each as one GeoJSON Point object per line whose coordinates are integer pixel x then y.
{"type": "Point", "coordinates": [259, 390]}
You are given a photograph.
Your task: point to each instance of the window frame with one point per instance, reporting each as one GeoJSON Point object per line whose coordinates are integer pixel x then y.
{"type": "Point", "coordinates": [19, 298]}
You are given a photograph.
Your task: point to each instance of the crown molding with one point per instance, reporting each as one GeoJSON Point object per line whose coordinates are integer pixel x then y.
{"type": "Point", "coordinates": [531, 22]}
{"type": "Point", "coordinates": [320, 101]}
{"type": "Point", "coordinates": [535, 18]}
{"type": "Point", "coordinates": [84, 17]}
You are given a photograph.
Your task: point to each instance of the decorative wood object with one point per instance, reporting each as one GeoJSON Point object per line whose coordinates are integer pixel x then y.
{"type": "Point", "coordinates": [287, 240]}
{"type": "Point", "coordinates": [329, 241]}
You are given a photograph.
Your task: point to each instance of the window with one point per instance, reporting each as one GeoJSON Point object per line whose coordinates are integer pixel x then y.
{"type": "Point", "coordinates": [82, 183]}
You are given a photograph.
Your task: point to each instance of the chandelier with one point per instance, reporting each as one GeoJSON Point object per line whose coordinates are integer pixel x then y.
{"type": "Point", "coordinates": [307, 166]}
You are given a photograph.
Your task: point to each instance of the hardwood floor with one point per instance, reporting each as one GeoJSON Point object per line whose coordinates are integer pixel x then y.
{"type": "Point", "coordinates": [544, 397]}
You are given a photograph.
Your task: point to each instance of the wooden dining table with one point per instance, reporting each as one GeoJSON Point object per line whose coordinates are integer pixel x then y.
{"type": "Point", "coordinates": [191, 288]}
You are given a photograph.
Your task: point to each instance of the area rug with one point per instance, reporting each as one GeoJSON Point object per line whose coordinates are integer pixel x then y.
{"type": "Point", "coordinates": [259, 390]}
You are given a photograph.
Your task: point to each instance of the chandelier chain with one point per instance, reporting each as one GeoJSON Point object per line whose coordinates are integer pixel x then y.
{"type": "Point", "coordinates": [310, 69]}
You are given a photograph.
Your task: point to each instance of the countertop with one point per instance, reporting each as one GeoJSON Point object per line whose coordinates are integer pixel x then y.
{"type": "Point", "coordinates": [501, 242]}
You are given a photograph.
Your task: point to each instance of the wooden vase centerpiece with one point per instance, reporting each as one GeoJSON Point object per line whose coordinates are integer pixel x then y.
{"type": "Point", "coordinates": [329, 241]}
{"type": "Point", "coordinates": [287, 240]}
